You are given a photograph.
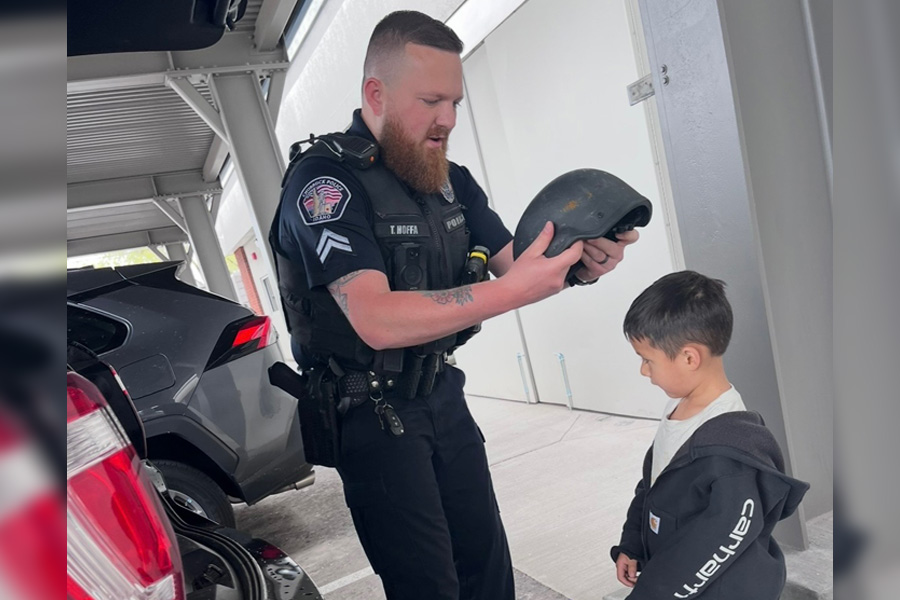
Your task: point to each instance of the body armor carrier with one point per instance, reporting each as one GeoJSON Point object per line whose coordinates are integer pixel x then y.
{"type": "Point", "coordinates": [424, 243]}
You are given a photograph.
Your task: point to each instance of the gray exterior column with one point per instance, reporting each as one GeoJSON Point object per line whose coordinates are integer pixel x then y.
{"type": "Point", "coordinates": [737, 95]}
{"type": "Point", "coordinates": [254, 149]}
{"type": "Point", "coordinates": [176, 252]}
{"type": "Point", "coordinates": [206, 245]}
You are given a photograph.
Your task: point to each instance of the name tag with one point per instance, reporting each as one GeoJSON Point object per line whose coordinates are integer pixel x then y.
{"type": "Point", "coordinates": [400, 229]}
{"type": "Point", "coordinates": [403, 229]}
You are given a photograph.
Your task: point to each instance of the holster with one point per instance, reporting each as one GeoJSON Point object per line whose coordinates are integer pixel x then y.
{"type": "Point", "coordinates": [315, 394]}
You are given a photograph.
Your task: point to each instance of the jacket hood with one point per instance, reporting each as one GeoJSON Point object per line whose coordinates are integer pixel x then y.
{"type": "Point", "coordinates": [743, 436]}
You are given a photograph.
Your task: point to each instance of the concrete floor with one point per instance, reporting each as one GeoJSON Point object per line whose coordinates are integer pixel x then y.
{"type": "Point", "coordinates": [563, 481]}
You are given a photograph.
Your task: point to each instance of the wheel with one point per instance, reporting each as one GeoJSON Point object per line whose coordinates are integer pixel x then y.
{"type": "Point", "coordinates": [196, 491]}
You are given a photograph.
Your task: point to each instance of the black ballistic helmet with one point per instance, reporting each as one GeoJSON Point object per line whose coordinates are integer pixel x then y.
{"type": "Point", "coordinates": [583, 204]}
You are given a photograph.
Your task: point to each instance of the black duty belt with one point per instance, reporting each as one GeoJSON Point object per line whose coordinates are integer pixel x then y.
{"type": "Point", "coordinates": [417, 379]}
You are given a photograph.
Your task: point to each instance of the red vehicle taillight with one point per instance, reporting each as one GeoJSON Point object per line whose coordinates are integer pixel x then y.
{"type": "Point", "coordinates": [31, 523]}
{"type": "Point", "coordinates": [257, 329]}
{"type": "Point", "coordinates": [241, 338]}
{"type": "Point", "coordinates": [120, 544]}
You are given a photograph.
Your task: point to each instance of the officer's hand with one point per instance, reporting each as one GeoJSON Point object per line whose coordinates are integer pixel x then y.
{"type": "Point", "coordinates": [626, 570]}
{"type": "Point", "coordinates": [534, 276]}
{"type": "Point", "coordinates": [601, 255]}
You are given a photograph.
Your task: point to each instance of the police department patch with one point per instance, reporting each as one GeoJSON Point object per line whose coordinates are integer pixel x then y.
{"type": "Point", "coordinates": [447, 192]}
{"type": "Point", "coordinates": [323, 199]}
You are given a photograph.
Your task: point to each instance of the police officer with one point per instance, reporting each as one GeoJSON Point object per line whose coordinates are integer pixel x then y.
{"type": "Point", "coordinates": [371, 240]}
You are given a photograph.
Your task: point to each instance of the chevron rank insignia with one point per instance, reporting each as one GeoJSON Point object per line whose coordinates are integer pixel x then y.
{"type": "Point", "coordinates": [323, 199]}
{"type": "Point", "coordinates": [330, 241]}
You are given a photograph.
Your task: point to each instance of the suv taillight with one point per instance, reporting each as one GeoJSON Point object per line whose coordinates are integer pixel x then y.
{"type": "Point", "coordinates": [242, 337]}
{"type": "Point", "coordinates": [31, 523]}
{"type": "Point", "coordinates": [120, 544]}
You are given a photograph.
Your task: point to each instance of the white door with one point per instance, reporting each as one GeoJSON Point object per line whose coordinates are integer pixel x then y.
{"type": "Point", "coordinates": [495, 360]}
{"type": "Point", "coordinates": [547, 93]}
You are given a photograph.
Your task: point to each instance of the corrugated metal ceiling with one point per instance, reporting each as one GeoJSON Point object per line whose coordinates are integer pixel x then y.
{"type": "Point", "coordinates": [133, 131]}
{"type": "Point", "coordinates": [119, 132]}
{"type": "Point", "coordinates": [127, 132]}
{"type": "Point", "coordinates": [248, 21]}
{"type": "Point", "coordinates": [114, 219]}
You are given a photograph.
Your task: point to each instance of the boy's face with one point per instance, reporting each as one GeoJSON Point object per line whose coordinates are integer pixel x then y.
{"type": "Point", "coordinates": [668, 374]}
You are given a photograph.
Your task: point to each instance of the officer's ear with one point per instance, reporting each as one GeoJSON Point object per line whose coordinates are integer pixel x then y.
{"type": "Point", "coordinates": [373, 95]}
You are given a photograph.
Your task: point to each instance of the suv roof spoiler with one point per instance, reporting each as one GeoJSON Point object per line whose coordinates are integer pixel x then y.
{"type": "Point", "coordinates": [87, 279]}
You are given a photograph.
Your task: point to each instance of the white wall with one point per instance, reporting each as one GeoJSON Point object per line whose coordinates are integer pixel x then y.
{"type": "Point", "coordinates": [548, 94]}
{"type": "Point", "coordinates": [496, 360]}
{"type": "Point", "coordinates": [233, 223]}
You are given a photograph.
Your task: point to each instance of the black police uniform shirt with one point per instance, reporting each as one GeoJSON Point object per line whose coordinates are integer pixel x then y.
{"type": "Point", "coordinates": [327, 222]}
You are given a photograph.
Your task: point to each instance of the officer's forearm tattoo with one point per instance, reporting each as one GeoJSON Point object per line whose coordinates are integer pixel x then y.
{"type": "Point", "coordinates": [460, 295]}
{"type": "Point", "coordinates": [337, 291]}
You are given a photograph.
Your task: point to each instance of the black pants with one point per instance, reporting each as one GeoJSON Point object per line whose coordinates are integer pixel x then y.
{"type": "Point", "coordinates": [423, 504]}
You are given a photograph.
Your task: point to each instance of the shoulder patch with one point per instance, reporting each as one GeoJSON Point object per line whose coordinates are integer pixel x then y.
{"type": "Point", "coordinates": [323, 199]}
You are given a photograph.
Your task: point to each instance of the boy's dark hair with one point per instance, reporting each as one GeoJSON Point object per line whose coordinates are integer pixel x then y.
{"type": "Point", "coordinates": [403, 27]}
{"type": "Point", "coordinates": [681, 308]}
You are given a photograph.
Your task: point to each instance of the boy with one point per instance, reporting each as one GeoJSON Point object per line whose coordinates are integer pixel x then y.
{"type": "Point", "coordinates": [713, 483]}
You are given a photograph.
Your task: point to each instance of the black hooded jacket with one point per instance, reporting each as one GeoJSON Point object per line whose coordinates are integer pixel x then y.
{"type": "Point", "coordinates": [704, 528]}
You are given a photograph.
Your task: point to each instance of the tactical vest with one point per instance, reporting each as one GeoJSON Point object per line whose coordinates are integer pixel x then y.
{"type": "Point", "coordinates": [423, 240]}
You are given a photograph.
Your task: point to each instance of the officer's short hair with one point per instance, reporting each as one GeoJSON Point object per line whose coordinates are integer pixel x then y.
{"type": "Point", "coordinates": [681, 308]}
{"type": "Point", "coordinates": [408, 27]}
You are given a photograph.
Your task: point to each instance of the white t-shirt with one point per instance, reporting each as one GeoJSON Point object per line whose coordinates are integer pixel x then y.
{"type": "Point", "coordinates": [672, 435]}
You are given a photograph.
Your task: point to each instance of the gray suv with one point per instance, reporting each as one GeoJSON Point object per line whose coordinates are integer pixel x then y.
{"type": "Point", "coordinates": [196, 367]}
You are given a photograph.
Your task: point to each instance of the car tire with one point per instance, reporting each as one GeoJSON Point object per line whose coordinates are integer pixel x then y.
{"type": "Point", "coordinates": [196, 491]}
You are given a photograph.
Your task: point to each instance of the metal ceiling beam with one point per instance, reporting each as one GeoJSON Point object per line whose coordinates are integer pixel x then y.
{"type": "Point", "coordinates": [205, 243]}
{"type": "Point", "coordinates": [276, 93]}
{"type": "Point", "coordinates": [215, 203]}
{"type": "Point", "coordinates": [124, 241]}
{"type": "Point", "coordinates": [135, 189]}
{"type": "Point", "coordinates": [200, 105]}
{"type": "Point", "coordinates": [159, 253]}
{"type": "Point", "coordinates": [218, 152]}
{"type": "Point", "coordinates": [219, 149]}
{"type": "Point", "coordinates": [235, 52]}
{"type": "Point", "coordinates": [257, 156]}
{"type": "Point", "coordinates": [176, 252]}
{"type": "Point", "coordinates": [170, 212]}
{"type": "Point", "coordinates": [270, 23]}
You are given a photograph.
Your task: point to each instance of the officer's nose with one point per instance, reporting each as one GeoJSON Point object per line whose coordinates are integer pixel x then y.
{"type": "Point", "coordinates": [447, 116]}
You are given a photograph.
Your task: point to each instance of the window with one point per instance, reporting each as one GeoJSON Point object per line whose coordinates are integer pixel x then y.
{"type": "Point", "coordinates": [300, 23]}
{"type": "Point", "coordinates": [97, 332]}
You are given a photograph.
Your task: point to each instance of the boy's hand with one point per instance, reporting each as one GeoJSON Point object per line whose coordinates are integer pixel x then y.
{"type": "Point", "coordinates": [626, 570]}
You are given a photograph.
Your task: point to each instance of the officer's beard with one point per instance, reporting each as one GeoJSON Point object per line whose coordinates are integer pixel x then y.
{"type": "Point", "coordinates": [423, 169]}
